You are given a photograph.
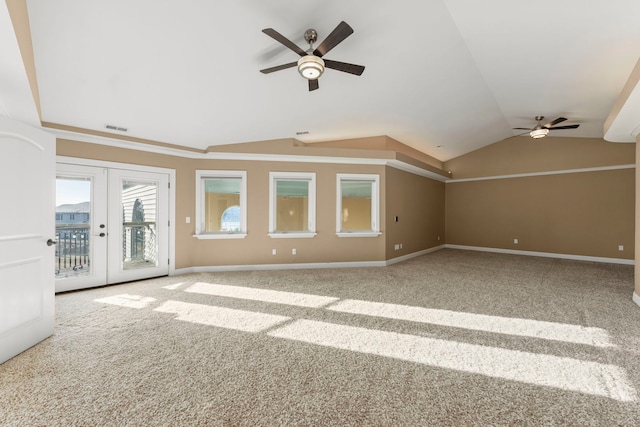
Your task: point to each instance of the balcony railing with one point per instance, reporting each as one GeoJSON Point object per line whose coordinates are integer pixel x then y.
{"type": "Point", "coordinates": [72, 250]}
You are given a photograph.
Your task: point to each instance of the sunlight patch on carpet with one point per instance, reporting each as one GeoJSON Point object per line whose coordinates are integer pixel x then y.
{"type": "Point", "coordinates": [228, 318]}
{"type": "Point", "coordinates": [265, 295]}
{"type": "Point", "coordinates": [174, 286]}
{"type": "Point", "coordinates": [538, 369]}
{"type": "Point", "coordinates": [576, 334]}
{"type": "Point", "coordinates": [126, 300]}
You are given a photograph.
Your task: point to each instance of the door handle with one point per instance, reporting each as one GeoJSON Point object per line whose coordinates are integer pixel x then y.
{"type": "Point", "coordinates": [51, 242]}
{"type": "Point", "coordinates": [101, 234]}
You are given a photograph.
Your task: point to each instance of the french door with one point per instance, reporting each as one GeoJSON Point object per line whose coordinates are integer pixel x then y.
{"type": "Point", "coordinates": [112, 225]}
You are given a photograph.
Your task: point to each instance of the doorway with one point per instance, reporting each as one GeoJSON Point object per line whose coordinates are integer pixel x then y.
{"type": "Point", "coordinates": [112, 224]}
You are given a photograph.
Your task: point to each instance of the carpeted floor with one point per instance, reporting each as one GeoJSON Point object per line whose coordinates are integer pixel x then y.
{"type": "Point", "coordinates": [452, 338]}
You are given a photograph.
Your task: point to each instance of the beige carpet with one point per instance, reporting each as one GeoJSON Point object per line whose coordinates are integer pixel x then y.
{"type": "Point", "coordinates": [451, 338]}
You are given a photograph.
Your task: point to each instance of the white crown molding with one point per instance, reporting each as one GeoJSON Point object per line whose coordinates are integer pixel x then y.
{"type": "Point", "coordinates": [544, 254]}
{"type": "Point", "coordinates": [545, 173]}
{"type": "Point", "coordinates": [172, 151]}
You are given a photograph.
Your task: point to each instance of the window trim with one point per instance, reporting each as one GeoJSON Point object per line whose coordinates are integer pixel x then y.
{"type": "Point", "coordinates": [311, 207]}
{"type": "Point", "coordinates": [375, 204]}
{"type": "Point", "coordinates": [201, 175]}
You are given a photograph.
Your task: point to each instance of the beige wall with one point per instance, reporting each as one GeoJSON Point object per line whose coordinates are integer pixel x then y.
{"type": "Point", "coordinates": [257, 247]}
{"type": "Point", "coordinates": [586, 213]}
{"type": "Point", "coordinates": [525, 155]}
{"type": "Point", "coordinates": [418, 202]}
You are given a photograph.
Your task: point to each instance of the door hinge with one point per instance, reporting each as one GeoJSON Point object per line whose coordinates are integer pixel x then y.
{"type": "Point", "coordinates": [169, 223]}
{"type": "Point", "coordinates": [168, 185]}
{"type": "Point", "coordinates": [169, 261]}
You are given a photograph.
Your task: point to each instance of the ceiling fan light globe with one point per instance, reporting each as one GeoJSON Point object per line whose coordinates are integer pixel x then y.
{"type": "Point", "coordinates": [310, 67]}
{"type": "Point", "coordinates": [538, 133]}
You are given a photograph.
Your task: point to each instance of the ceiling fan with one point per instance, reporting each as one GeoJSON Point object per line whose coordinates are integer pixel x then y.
{"type": "Point", "coordinates": [311, 65]}
{"type": "Point", "coordinates": [540, 130]}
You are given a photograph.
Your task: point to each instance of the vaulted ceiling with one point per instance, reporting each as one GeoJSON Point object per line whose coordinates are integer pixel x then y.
{"type": "Point", "coordinates": [443, 76]}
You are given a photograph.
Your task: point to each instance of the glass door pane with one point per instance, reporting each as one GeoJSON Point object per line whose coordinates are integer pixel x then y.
{"type": "Point", "coordinates": [139, 224]}
{"type": "Point", "coordinates": [73, 227]}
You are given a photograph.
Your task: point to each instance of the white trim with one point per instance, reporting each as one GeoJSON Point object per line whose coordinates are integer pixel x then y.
{"type": "Point", "coordinates": [544, 254]}
{"type": "Point", "coordinates": [414, 255]}
{"type": "Point", "coordinates": [173, 151]}
{"type": "Point", "coordinates": [297, 266]}
{"type": "Point", "coordinates": [310, 178]}
{"type": "Point", "coordinates": [213, 236]}
{"type": "Point", "coordinates": [558, 172]}
{"type": "Point", "coordinates": [636, 298]}
{"type": "Point", "coordinates": [358, 234]}
{"type": "Point", "coordinates": [397, 164]}
{"type": "Point", "coordinates": [292, 235]}
{"type": "Point", "coordinates": [300, 266]}
{"type": "Point", "coordinates": [200, 189]}
{"type": "Point", "coordinates": [138, 168]}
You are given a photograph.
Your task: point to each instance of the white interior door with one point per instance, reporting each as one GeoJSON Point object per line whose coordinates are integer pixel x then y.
{"type": "Point", "coordinates": [112, 225]}
{"type": "Point", "coordinates": [27, 179]}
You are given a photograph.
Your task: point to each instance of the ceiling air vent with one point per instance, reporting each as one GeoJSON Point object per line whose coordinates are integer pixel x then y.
{"type": "Point", "coordinates": [112, 127]}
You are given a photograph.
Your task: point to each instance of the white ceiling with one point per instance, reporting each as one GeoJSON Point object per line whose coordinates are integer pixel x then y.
{"type": "Point", "coordinates": [452, 73]}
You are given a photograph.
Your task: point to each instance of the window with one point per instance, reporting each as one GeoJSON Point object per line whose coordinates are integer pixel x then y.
{"type": "Point", "coordinates": [221, 204]}
{"type": "Point", "coordinates": [292, 204]}
{"type": "Point", "coordinates": [358, 205]}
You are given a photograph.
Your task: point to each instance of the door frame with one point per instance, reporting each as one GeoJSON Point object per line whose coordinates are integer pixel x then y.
{"type": "Point", "coordinates": [139, 168]}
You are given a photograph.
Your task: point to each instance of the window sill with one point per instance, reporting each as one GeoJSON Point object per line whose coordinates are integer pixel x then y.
{"type": "Point", "coordinates": [220, 236]}
{"type": "Point", "coordinates": [358, 233]}
{"type": "Point", "coordinates": [295, 235]}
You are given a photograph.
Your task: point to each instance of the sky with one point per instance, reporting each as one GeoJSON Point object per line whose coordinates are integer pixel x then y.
{"type": "Point", "coordinates": [71, 191]}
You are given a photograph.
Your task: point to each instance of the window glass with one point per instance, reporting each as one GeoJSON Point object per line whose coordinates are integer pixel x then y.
{"type": "Point", "coordinates": [219, 195]}
{"type": "Point", "coordinates": [221, 204]}
{"type": "Point", "coordinates": [358, 203]}
{"type": "Point", "coordinates": [292, 205]}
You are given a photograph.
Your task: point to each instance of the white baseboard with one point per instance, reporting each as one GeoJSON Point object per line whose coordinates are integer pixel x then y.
{"type": "Point", "coordinates": [414, 255]}
{"type": "Point", "coordinates": [300, 266]}
{"type": "Point", "coordinates": [636, 298]}
{"type": "Point", "coordinates": [544, 254]}
{"type": "Point", "coordinates": [293, 266]}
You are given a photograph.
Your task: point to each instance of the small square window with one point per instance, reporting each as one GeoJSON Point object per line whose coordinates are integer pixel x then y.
{"type": "Point", "coordinates": [358, 205]}
{"type": "Point", "coordinates": [221, 204]}
{"type": "Point", "coordinates": [292, 204]}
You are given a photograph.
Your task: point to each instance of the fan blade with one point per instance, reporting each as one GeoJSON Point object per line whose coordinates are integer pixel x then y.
{"type": "Point", "coordinates": [278, 68]}
{"type": "Point", "coordinates": [313, 84]}
{"type": "Point", "coordinates": [343, 66]}
{"type": "Point", "coordinates": [285, 41]}
{"type": "Point", "coordinates": [565, 127]}
{"type": "Point", "coordinates": [341, 32]}
{"type": "Point", "coordinates": [555, 122]}
{"type": "Point", "coordinates": [521, 129]}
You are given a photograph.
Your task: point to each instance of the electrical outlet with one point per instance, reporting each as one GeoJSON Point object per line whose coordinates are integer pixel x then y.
{"type": "Point", "coordinates": [515, 241]}
{"type": "Point", "coordinates": [188, 220]}
{"type": "Point", "coordinates": [273, 252]}
{"type": "Point", "coordinates": [396, 247]}
{"type": "Point", "coordinates": [620, 248]}
{"type": "Point", "coordinates": [400, 245]}
{"type": "Point", "coordinates": [293, 251]}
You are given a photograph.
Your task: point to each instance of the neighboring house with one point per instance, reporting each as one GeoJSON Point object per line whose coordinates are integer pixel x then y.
{"type": "Point", "coordinates": [77, 213]}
